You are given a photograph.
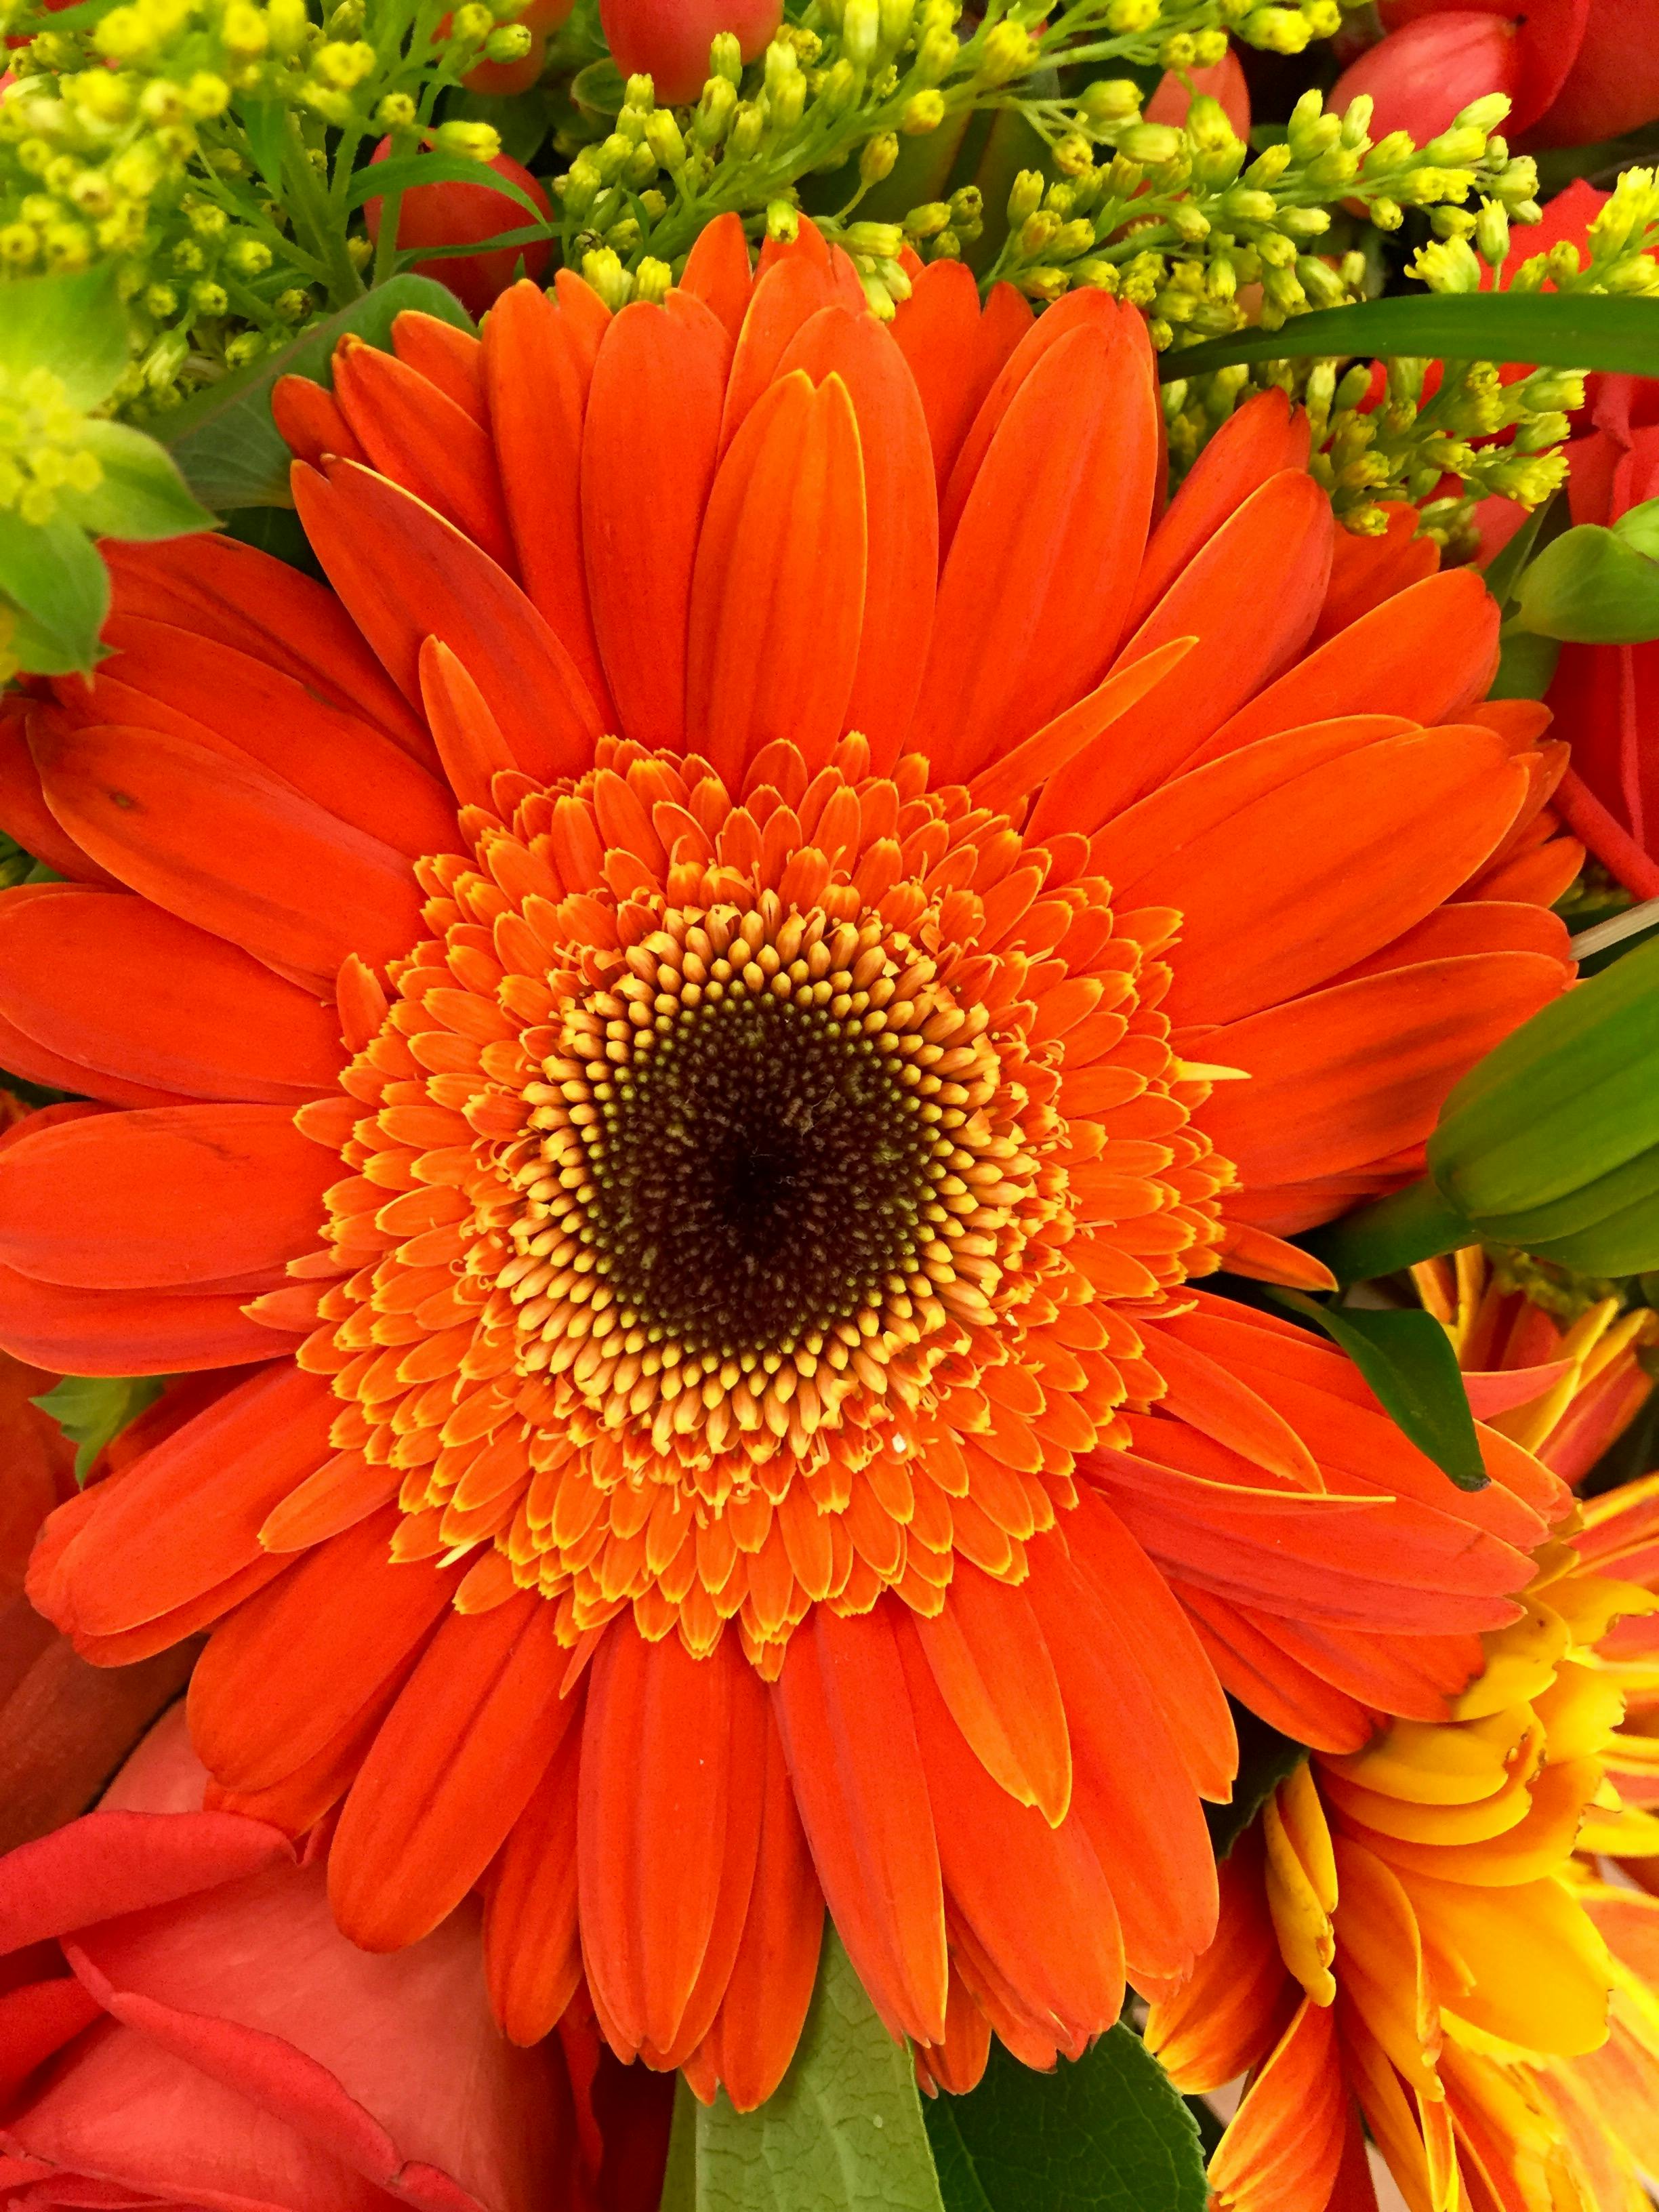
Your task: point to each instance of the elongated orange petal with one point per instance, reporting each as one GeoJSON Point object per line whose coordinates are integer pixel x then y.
{"type": "Point", "coordinates": [232, 849]}
{"type": "Point", "coordinates": [1281, 535]}
{"type": "Point", "coordinates": [1265, 435]}
{"type": "Point", "coordinates": [777, 594]}
{"type": "Point", "coordinates": [717, 271]}
{"type": "Point", "coordinates": [646, 474]}
{"type": "Point", "coordinates": [1036, 583]}
{"type": "Point", "coordinates": [148, 1332]}
{"type": "Point", "coordinates": [849, 1733]}
{"type": "Point", "coordinates": [413, 432]}
{"type": "Point", "coordinates": [452, 1768]}
{"type": "Point", "coordinates": [165, 1194]}
{"type": "Point", "coordinates": [310, 422]}
{"type": "Point", "coordinates": [406, 574]}
{"type": "Point", "coordinates": [450, 358]}
{"type": "Point", "coordinates": [532, 1953]}
{"type": "Point", "coordinates": [109, 979]}
{"type": "Point", "coordinates": [956, 350]}
{"type": "Point", "coordinates": [539, 356]}
{"type": "Point", "coordinates": [901, 517]}
{"type": "Point", "coordinates": [789, 290]}
{"type": "Point", "coordinates": [467, 735]}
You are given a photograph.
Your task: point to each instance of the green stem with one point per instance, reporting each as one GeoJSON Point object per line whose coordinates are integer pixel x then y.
{"type": "Point", "coordinates": [308, 202]}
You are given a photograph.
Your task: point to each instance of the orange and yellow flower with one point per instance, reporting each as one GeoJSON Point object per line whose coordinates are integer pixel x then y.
{"type": "Point", "coordinates": [1407, 1937]}
{"type": "Point", "coordinates": [700, 1010]}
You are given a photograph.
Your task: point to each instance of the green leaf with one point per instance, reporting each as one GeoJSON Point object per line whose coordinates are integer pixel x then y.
{"type": "Point", "coordinates": [528, 233]}
{"type": "Point", "coordinates": [1106, 2134]}
{"type": "Point", "coordinates": [225, 441]}
{"type": "Point", "coordinates": [1639, 526]}
{"type": "Point", "coordinates": [842, 2132]}
{"type": "Point", "coordinates": [91, 1409]}
{"type": "Point", "coordinates": [76, 326]}
{"type": "Point", "coordinates": [1526, 666]}
{"type": "Point", "coordinates": [1564, 330]}
{"type": "Point", "coordinates": [1590, 586]}
{"type": "Point", "coordinates": [52, 574]}
{"type": "Point", "coordinates": [406, 172]}
{"type": "Point", "coordinates": [142, 495]}
{"type": "Point", "coordinates": [1504, 570]}
{"type": "Point", "coordinates": [1414, 1223]}
{"type": "Point", "coordinates": [263, 120]}
{"type": "Point", "coordinates": [1407, 1359]}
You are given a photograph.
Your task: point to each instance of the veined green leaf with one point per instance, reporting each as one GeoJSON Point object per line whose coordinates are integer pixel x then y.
{"type": "Point", "coordinates": [224, 440]}
{"type": "Point", "coordinates": [264, 122]}
{"type": "Point", "coordinates": [406, 172]}
{"type": "Point", "coordinates": [1107, 2134]}
{"type": "Point", "coordinates": [91, 1409]}
{"type": "Point", "coordinates": [1565, 330]}
{"type": "Point", "coordinates": [142, 495]}
{"type": "Point", "coordinates": [52, 572]}
{"type": "Point", "coordinates": [841, 2133]}
{"type": "Point", "coordinates": [76, 326]}
{"type": "Point", "coordinates": [1407, 1359]}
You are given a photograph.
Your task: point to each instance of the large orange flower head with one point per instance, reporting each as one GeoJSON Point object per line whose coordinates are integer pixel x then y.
{"type": "Point", "coordinates": [688, 1022]}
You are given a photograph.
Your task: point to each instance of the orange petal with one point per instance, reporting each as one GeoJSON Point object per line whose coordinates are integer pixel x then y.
{"type": "Point", "coordinates": [451, 1770]}
{"type": "Point", "coordinates": [646, 474]}
{"type": "Point", "coordinates": [450, 358]}
{"type": "Point", "coordinates": [232, 849]}
{"type": "Point", "coordinates": [997, 1679]}
{"type": "Point", "coordinates": [1265, 435]}
{"type": "Point", "coordinates": [777, 595]}
{"type": "Point", "coordinates": [166, 1195]}
{"type": "Point", "coordinates": [24, 813]}
{"type": "Point", "coordinates": [717, 271]}
{"type": "Point", "coordinates": [1322, 889]}
{"type": "Point", "coordinates": [1352, 1075]}
{"type": "Point", "coordinates": [652, 1823]}
{"type": "Point", "coordinates": [1285, 2143]}
{"type": "Point", "coordinates": [1366, 571]}
{"type": "Point", "coordinates": [790, 288]}
{"type": "Point", "coordinates": [1281, 537]}
{"type": "Point", "coordinates": [292, 1670]}
{"type": "Point", "coordinates": [405, 574]}
{"type": "Point", "coordinates": [532, 1954]}
{"type": "Point", "coordinates": [309, 422]}
{"type": "Point", "coordinates": [901, 516]}
{"type": "Point", "coordinates": [1426, 653]}
{"type": "Point", "coordinates": [415, 433]}
{"type": "Point", "coordinates": [148, 1332]}
{"type": "Point", "coordinates": [185, 1516]}
{"type": "Point", "coordinates": [844, 1710]}
{"type": "Point", "coordinates": [107, 979]}
{"type": "Point", "coordinates": [538, 358]}
{"type": "Point", "coordinates": [754, 2038]}
{"type": "Point", "coordinates": [232, 593]}
{"type": "Point", "coordinates": [1036, 584]}
{"type": "Point", "coordinates": [955, 350]}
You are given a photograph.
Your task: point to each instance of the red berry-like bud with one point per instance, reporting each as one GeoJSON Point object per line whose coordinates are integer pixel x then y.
{"type": "Point", "coordinates": [464, 215]}
{"type": "Point", "coordinates": [668, 40]}
{"type": "Point", "coordinates": [1424, 75]}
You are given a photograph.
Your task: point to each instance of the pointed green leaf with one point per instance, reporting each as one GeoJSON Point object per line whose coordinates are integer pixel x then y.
{"type": "Point", "coordinates": [52, 574]}
{"type": "Point", "coordinates": [224, 440]}
{"type": "Point", "coordinates": [91, 1409]}
{"type": "Point", "coordinates": [1107, 2134]}
{"type": "Point", "coordinates": [841, 2133]}
{"type": "Point", "coordinates": [1407, 1359]}
{"type": "Point", "coordinates": [1639, 526]}
{"type": "Point", "coordinates": [1567, 330]}
{"type": "Point", "coordinates": [76, 326]}
{"type": "Point", "coordinates": [265, 124]}
{"type": "Point", "coordinates": [142, 495]}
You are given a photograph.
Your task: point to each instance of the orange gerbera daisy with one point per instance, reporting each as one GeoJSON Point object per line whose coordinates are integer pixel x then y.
{"type": "Point", "coordinates": [790, 861]}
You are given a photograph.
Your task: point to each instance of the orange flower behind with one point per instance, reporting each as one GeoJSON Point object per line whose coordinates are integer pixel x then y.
{"type": "Point", "coordinates": [705, 1005]}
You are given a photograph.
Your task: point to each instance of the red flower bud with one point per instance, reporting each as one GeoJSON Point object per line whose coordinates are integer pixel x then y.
{"type": "Point", "coordinates": [668, 40]}
{"type": "Point", "coordinates": [460, 215]}
{"type": "Point", "coordinates": [1427, 72]}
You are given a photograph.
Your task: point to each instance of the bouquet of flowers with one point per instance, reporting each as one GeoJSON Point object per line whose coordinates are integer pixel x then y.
{"type": "Point", "coordinates": [829, 1105]}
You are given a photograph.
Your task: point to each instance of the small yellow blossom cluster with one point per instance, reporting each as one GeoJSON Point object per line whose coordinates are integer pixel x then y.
{"type": "Point", "coordinates": [42, 446]}
{"type": "Point", "coordinates": [1182, 222]}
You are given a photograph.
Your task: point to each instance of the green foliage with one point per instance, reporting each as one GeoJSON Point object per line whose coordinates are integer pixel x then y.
{"type": "Point", "coordinates": [225, 442]}
{"type": "Point", "coordinates": [1407, 1359]}
{"type": "Point", "coordinates": [843, 2131]}
{"type": "Point", "coordinates": [1106, 2134]}
{"type": "Point", "coordinates": [1549, 1145]}
{"type": "Point", "coordinates": [1592, 585]}
{"type": "Point", "coordinates": [93, 1409]}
